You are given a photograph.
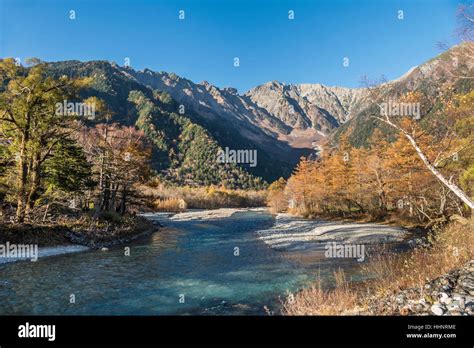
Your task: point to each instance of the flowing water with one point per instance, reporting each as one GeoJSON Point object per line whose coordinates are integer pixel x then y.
{"type": "Point", "coordinates": [193, 266]}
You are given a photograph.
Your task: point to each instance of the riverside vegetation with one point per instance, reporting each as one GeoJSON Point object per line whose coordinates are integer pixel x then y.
{"type": "Point", "coordinates": [387, 181]}
{"type": "Point", "coordinates": [423, 280]}
{"type": "Point", "coordinates": [58, 175]}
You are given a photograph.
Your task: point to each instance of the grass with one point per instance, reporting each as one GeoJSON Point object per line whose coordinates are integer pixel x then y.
{"type": "Point", "coordinates": [170, 204]}
{"type": "Point", "coordinates": [171, 198]}
{"type": "Point", "coordinates": [317, 301]}
{"type": "Point", "coordinates": [451, 246]}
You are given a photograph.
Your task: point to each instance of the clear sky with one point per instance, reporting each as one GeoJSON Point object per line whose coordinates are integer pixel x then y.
{"type": "Point", "coordinates": [308, 49]}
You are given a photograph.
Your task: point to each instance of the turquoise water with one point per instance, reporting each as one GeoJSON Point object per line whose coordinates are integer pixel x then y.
{"type": "Point", "coordinates": [189, 267]}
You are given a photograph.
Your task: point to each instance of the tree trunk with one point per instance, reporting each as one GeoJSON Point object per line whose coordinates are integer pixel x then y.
{"type": "Point", "coordinates": [22, 180]}
{"type": "Point", "coordinates": [113, 196]}
{"type": "Point", "coordinates": [35, 184]}
{"type": "Point", "coordinates": [105, 196]}
{"type": "Point", "coordinates": [123, 200]}
{"type": "Point", "coordinates": [45, 213]}
{"type": "Point", "coordinates": [451, 186]}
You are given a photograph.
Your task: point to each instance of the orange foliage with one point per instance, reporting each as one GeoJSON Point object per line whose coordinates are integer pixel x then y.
{"type": "Point", "coordinates": [387, 178]}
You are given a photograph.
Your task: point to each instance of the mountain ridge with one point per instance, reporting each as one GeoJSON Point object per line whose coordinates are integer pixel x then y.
{"type": "Point", "coordinates": [282, 121]}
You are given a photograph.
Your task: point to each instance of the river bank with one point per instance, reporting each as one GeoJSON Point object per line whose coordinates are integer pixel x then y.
{"type": "Point", "coordinates": [427, 257]}
{"type": "Point", "coordinates": [287, 229]}
{"type": "Point", "coordinates": [449, 294]}
{"type": "Point", "coordinates": [291, 233]}
{"type": "Point", "coordinates": [75, 235]}
{"type": "Point", "coordinates": [287, 232]}
{"type": "Point", "coordinates": [42, 252]}
{"type": "Point", "coordinates": [431, 278]}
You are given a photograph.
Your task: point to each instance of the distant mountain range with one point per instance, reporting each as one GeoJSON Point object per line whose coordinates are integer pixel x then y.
{"type": "Point", "coordinates": [275, 108]}
{"type": "Point", "coordinates": [282, 122]}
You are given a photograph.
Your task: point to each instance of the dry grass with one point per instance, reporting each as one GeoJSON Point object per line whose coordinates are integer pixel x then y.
{"type": "Point", "coordinates": [164, 197]}
{"type": "Point", "coordinates": [317, 301]}
{"type": "Point", "coordinates": [170, 204]}
{"type": "Point", "coordinates": [451, 247]}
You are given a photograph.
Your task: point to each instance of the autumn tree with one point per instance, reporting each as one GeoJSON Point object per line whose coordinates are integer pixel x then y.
{"type": "Point", "coordinates": [120, 158]}
{"type": "Point", "coordinates": [31, 124]}
{"type": "Point", "coordinates": [276, 195]}
{"type": "Point", "coordinates": [445, 142]}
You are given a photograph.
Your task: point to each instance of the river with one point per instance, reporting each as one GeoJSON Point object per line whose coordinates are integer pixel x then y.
{"type": "Point", "coordinates": [198, 265]}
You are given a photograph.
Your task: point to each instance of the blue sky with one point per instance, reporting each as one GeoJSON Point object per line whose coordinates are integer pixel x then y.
{"type": "Point", "coordinates": [308, 49]}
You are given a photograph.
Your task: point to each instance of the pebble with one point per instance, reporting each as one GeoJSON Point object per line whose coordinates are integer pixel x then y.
{"type": "Point", "coordinates": [404, 311]}
{"type": "Point", "coordinates": [437, 309]}
{"type": "Point", "coordinates": [453, 308]}
{"type": "Point", "coordinates": [419, 307]}
{"type": "Point", "coordinates": [470, 266]}
{"type": "Point", "coordinates": [446, 287]}
{"type": "Point", "coordinates": [450, 294]}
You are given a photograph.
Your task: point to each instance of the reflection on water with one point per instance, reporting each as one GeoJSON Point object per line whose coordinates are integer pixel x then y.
{"type": "Point", "coordinates": [194, 261]}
